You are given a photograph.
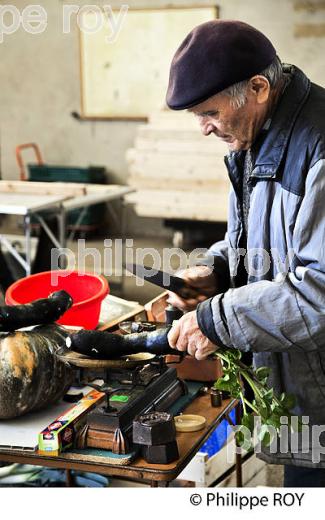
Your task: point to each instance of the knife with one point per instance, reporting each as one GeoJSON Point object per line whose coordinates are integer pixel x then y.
{"type": "Point", "coordinates": [162, 279]}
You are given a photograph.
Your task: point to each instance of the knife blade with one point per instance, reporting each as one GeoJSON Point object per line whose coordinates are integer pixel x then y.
{"type": "Point", "coordinates": [163, 279]}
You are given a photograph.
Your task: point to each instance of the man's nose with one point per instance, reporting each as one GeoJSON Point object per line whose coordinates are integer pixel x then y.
{"type": "Point", "coordinates": [206, 126]}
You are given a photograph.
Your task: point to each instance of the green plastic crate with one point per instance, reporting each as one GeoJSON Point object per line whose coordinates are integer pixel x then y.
{"type": "Point", "coordinates": [92, 215]}
{"type": "Point", "coordinates": [46, 173]}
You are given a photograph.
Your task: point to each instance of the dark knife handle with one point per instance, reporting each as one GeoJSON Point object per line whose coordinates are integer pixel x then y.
{"type": "Point", "coordinates": [182, 288]}
{"type": "Point", "coordinates": [172, 313]}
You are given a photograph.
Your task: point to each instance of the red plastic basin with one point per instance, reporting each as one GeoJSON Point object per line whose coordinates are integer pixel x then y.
{"type": "Point", "coordinates": [87, 291]}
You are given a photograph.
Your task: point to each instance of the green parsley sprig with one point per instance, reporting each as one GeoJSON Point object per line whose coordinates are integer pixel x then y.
{"type": "Point", "coordinates": [269, 407]}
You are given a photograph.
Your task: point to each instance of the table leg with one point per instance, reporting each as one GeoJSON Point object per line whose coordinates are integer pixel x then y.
{"type": "Point", "coordinates": [239, 472]}
{"type": "Point", "coordinates": [123, 237]}
{"type": "Point", "coordinates": [62, 227]}
{"type": "Point", "coordinates": [238, 458]}
{"type": "Point", "coordinates": [62, 235]}
{"type": "Point", "coordinates": [163, 483]}
{"type": "Point", "coordinates": [27, 223]}
{"type": "Point", "coordinates": [69, 478]}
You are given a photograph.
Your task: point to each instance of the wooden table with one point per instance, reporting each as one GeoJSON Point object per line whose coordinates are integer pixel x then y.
{"type": "Point", "coordinates": [152, 474]}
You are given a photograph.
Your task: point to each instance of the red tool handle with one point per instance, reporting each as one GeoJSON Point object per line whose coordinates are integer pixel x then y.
{"type": "Point", "coordinates": [19, 157]}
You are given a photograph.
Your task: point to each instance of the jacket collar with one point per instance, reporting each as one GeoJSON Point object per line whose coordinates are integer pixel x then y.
{"type": "Point", "coordinates": [273, 147]}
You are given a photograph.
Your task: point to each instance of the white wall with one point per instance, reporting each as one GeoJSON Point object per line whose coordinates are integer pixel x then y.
{"type": "Point", "coordinates": [40, 81]}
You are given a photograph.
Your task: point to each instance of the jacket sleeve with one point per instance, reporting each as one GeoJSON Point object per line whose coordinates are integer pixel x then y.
{"type": "Point", "coordinates": [219, 253]}
{"type": "Point", "coordinates": [289, 312]}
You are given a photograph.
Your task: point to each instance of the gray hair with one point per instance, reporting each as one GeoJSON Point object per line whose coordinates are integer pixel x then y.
{"type": "Point", "coordinates": [237, 92]}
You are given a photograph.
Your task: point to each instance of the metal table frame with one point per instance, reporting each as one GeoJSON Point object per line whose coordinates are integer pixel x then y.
{"type": "Point", "coordinates": [60, 205]}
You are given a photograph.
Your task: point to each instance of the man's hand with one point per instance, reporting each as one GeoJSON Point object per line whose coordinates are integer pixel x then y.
{"type": "Point", "coordinates": [185, 335]}
{"type": "Point", "coordinates": [200, 277]}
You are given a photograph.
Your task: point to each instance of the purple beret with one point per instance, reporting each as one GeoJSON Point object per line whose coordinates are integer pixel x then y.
{"type": "Point", "coordinates": [214, 56]}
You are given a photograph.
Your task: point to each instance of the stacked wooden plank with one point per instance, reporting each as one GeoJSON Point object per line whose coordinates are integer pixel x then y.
{"type": "Point", "coordinates": [176, 171]}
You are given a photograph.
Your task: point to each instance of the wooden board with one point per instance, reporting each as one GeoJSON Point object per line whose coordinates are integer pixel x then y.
{"type": "Point", "coordinates": [180, 147]}
{"type": "Point", "coordinates": [176, 171]}
{"type": "Point", "coordinates": [186, 213]}
{"type": "Point", "coordinates": [162, 166]}
{"type": "Point", "coordinates": [184, 185]}
{"type": "Point", "coordinates": [114, 310]}
{"type": "Point", "coordinates": [43, 188]}
{"type": "Point", "coordinates": [70, 189]}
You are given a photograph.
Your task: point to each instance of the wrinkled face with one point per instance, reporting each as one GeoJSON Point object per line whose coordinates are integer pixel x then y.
{"type": "Point", "coordinates": [237, 127]}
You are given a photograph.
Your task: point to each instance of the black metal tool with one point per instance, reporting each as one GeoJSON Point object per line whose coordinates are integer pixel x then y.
{"type": "Point", "coordinates": [164, 280]}
{"type": "Point", "coordinates": [154, 428]}
{"type": "Point", "coordinates": [130, 393]}
{"type": "Point", "coordinates": [160, 454]}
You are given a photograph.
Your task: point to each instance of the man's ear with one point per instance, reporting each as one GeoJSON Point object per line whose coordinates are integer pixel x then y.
{"type": "Point", "coordinates": [260, 88]}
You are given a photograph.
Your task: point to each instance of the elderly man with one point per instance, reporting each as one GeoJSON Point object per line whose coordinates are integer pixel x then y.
{"type": "Point", "coordinates": [266, 294]}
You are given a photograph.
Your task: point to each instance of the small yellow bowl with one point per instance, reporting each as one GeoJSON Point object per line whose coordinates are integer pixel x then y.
{"type": "Point", "coordinates": [189, 423]}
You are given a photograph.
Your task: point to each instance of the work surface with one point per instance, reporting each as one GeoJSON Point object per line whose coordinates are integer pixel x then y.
{"type": "Point", "coordinates": [36, 199]}
{"type": "Point", "coordinates": [21, 198]}
{"type": "Point", "coordinates": [188, 445]}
